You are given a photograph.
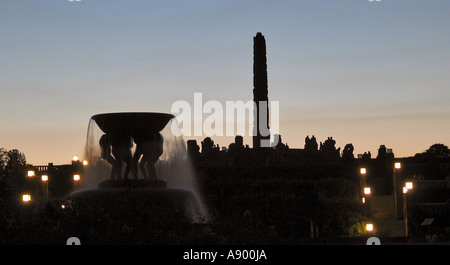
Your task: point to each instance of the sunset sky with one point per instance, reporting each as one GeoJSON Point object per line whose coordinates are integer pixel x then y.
{"type": "Point", "coordinates": [366, 73]}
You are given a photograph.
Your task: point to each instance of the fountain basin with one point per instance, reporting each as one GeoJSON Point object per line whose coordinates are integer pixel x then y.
{"type": "Point", "coordinates": [158, 204]}
{"type": "Point", "coordinates": [131, 183]}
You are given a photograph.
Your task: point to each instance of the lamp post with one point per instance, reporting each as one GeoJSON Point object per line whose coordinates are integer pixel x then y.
{"type": "Point", "coordinates": [408, 186]}
{"type": "Point", "coordinates": [362, 182]}
{"type": "Point", "coordinates": [363, 173]}
{"type": "Point", "coordinates": [44, 181]}
{"type": "Point", "coordinates": [397, 190]}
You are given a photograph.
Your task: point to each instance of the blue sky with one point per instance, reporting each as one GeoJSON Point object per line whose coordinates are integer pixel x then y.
{"type": "Point", "coordinates": [367, 73]}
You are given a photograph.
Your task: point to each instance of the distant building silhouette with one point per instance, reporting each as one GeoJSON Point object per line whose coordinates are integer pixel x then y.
{"type": "Point", "coordinates": [260, 87]}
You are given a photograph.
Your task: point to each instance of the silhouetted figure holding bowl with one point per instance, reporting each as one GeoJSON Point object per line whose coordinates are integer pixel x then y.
{"type": "Point", "coordinates": [105, 147]}
{"type": "Point", "coordinates": [121, 150]}
{"type": "Point", "coordinates": [150, 148]}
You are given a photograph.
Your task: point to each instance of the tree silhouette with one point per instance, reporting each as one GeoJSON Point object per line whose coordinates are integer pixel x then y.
{"type": "Point", "coordinates": [3, 158]}
{"type": "Point", "coordinates": [16, 158]}
{"type": "Point", "coordinates": [438, 151]}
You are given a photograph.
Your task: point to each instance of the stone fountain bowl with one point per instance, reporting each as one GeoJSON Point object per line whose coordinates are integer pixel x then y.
{"type": "Point", "coordinates": [132, 123]}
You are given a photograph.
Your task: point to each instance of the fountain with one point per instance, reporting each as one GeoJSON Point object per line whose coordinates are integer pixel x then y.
{"type": "Point", "coordinates": [138, 163]}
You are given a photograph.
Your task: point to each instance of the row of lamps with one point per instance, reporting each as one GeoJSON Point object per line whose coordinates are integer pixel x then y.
{"type": "Point", "coordinates": [367, 190]}
{"type": "Point", "coordinates": [26, 198]}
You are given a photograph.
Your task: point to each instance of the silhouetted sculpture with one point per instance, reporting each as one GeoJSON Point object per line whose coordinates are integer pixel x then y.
{"type": "Point", "coordinates": [207, 145]}
{"type": "Point", "coordinates": [150, 148]}
{"type": "Point", "coordinates": [311, 144]}
{"type": "Point", "coordinates": [328, 145]}
{"type": "Point", "coordinates": [239, 141]}
{"type": "Point", "coordinates": [329, 149]}
{"type": "Point", "coordinates": [347, 154]}
{"type": "Point", "coordinates": [121, 150]}
{"type": "Point", "coordinates": [120, 130]}
{"type": "Point", "coordinates": [115, 151]}
{"type": "Point", "coordinates": [381, 152]}
{"type": "Point", "coordinates": [237, 145]}
{"type": "Point", "coordinates": [105, 148]}
{"type": "Point", "coordinates": [193, 149]}
{"type": "Point", "coordinates": [367, 156]}
{"type": "Point", "coordinates": [280, 145]}
{"type": "Point", "coordinates": [260, 88]}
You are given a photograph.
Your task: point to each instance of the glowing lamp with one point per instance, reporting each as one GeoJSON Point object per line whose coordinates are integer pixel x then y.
{"type": "Point", "coordinates": [85, 163]}
{"type": "Point", "coordinates": [409, 185]}
{"type": "Point", "coordinates": [363, 199]}
{"type": "Point", "coordinates": [75, 158]}
{"type": "Point", "coordinates": [397, 165]}
{"type": "Point", "coordinates": [44, 178]}
{"type": "Point", "coordinates": [31, 173]}
{"type": "Point", "coordinates": [363, 171]}
{"type": "Point", "coordinates": [26, 197]}
{"type": "Point", "coordinates": [369, 227]}
{"type": "Point", "coordinates": [367, 190]}
{"type": "Point", "coordinates": [405, 189]}
{"type": "Point", "coordinates": [76, 177]}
